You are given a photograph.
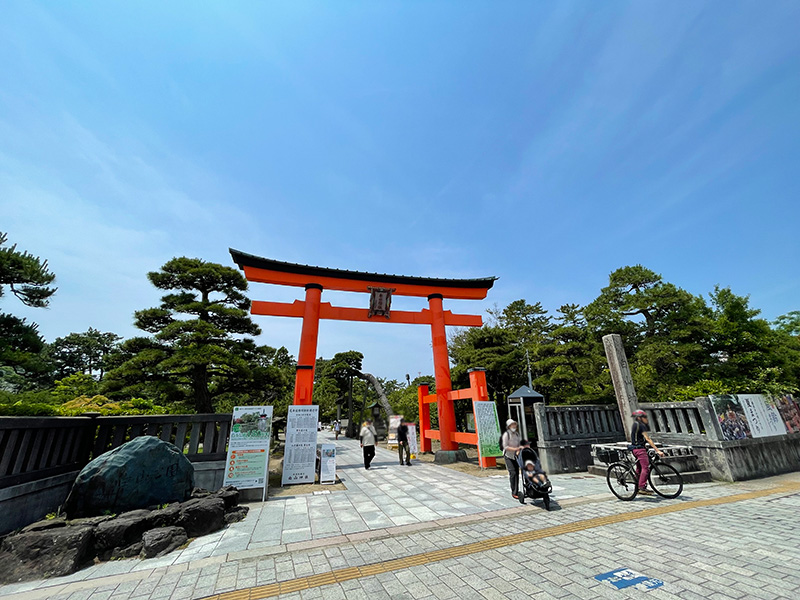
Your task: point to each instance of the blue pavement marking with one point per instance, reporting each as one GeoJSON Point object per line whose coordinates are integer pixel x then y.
{"type": "Point", "coordinates": [625, 578]}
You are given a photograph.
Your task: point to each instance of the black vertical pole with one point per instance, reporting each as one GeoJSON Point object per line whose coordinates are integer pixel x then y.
{"type": "Point", "coordinates": [351, 432]}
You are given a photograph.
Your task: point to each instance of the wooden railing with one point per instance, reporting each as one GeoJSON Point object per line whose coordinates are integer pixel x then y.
{"type": "Point", "coordinates": [33, 448]}
{"type": "Point", "coordinates": [674, 418]}
{"type": "Point", "coordinates": [567, 423]}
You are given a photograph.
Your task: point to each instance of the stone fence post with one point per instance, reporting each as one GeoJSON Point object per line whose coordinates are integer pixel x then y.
{"type": "Point", "coordinates": [623, 382]}
{"type": "Point", "coordinates": [540, 414]}
{"type": "Point", "coordinates": [709, 417]}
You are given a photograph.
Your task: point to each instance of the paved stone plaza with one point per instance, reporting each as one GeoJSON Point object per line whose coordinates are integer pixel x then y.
{"type": "Point", "coordinates": [431, 532]}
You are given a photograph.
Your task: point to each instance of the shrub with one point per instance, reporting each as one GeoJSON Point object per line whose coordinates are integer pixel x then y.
{"type": "Point", "coordinates": [104, 406]}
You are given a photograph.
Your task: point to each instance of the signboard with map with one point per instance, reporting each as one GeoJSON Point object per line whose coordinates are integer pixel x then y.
{"type": "Point", "coordinates": [248, 450]}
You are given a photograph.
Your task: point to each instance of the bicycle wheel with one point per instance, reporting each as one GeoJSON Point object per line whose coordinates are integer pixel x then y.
{"type": "Point", "coordinates": [621, 480]}
{"type": "Point", "coordinates": [665, 480]}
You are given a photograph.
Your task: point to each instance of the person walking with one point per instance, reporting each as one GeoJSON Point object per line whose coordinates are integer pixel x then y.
{"type": "Point", "coordinates": [337, 429]}
{"type": "Point", "coordinates": [639, 440]}
{"type": "Point", "coordinates": [510, 443]}
{"type": "Point", "coordinates": [368, 437]}
{"type": "Point", "coordinates": [402, 444]}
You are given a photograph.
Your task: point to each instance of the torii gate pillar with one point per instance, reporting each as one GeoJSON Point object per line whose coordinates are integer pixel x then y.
{"type": "Point", "coordinates": [307, 356]}
{"type": "Point", "coordinates": [441, 371]}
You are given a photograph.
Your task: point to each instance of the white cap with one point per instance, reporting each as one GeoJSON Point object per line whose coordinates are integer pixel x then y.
{"type": "Point", "coordinates": [510, 422]}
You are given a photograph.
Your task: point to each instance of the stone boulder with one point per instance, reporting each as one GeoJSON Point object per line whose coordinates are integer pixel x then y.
{"type": "Point", "coordinates": [161, 541]}
{"type": "Point", "coordinates": [59, 546]}
{"type": "Point", "coordinates": [200, 516]}
{"type": "Point", "coordinates": [229, 494]}
{"type": "Point", "coordinates": [448, 457]}
{"type": "Point", "coordinates": [144, 472]}
{"type": "Point", "coordinates": [236, 514]}
{"type": "Point", "coordinates": [112, 536]}
{"type": "Point", "coordinates": [45, 553]}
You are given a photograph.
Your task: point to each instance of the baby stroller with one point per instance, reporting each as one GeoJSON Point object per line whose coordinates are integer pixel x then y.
{"type": "Point", "coordinates": [532, 488]}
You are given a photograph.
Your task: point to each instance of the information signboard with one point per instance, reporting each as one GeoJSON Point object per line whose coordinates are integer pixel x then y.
{"type": "Point", "coordinates": [327, 463]}
{"type": "Point", "coordinates": [745, 416]}
{"type": "Point", "coordinates": [488, 429]}
{"type": "Point", "coordinates": [394, 425]}
{"type": "Point", "coordinates": [413, 449]}
{"type": "Point", "coordinates": [248, 450]}
{"type": "Point", "coordinates": [300, 454]}
{"type": "Point", "coordinates": [764, 418]}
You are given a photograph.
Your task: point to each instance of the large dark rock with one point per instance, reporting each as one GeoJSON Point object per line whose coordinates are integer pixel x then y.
{"type": "Point", "coordinates": [121, 532]}
{"type": "Point", "coordinates": [161, 541]}
{"type": "Point", "coordinates": [45, 553]}
{"type": "Point", "coordinates": [200, 516]}
{"type": "Point", "coordinates": [236, 514]}
{"type": "Point", "coordinates": [134, 549]}
{"type": "Point", "coordinates": [55, 547]}
{"type": "Point", "coordinates": [45, 524]}
{"type": "Point", "coordinates": [143, 472]}
{"type": "Point", "coordinates": [448, 457]}
{"type": "Point", "coordinates": [229, 494]}
{"type": "Point", "coordinates": [164, 517]}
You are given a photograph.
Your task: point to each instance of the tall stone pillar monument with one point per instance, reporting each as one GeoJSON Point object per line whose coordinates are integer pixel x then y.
{"type": "Point", "coordinates": [621, 377]}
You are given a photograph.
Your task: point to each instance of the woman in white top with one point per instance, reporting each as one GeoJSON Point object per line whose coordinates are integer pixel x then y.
{"type": "Point", "coordinates": [368, 437]}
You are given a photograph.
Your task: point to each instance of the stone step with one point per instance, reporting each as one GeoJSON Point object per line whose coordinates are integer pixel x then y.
{"type": "Point", "coordinates": [688, 476]}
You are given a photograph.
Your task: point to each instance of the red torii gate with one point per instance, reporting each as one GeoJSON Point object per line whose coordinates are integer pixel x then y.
{"type": "Point", "coordinates": [311, 310]}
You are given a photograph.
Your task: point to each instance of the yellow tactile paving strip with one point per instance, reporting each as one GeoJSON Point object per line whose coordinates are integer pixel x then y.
{"type": "Point", "coordinates": [340, 575]}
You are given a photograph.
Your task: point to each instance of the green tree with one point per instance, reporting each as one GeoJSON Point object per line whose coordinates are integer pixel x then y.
{"type": "Point", "coordinates": [73, 386]}
{"type": "Point", "coordinates": [404, 398]}
{"type": "Point", "coordinates": [664, 328]}
{"type": "Point", "coordinates": [527, 323]}
{"type": "Point", "coordinates": [197, 358]}
{"type": "Point", "coordinates": [22, 365]}
{"type": "Point", "coordinates": [788, 323]}
{"type": "Point", "coordinates": [494, 349]}
{"type": "Point", "coordinates": [571, 363]}
{"type": "Point", "coordinates": [27, 276]}
{"type": "Point", "coordinates": [82, 352]}
{"type": "Point", "coordinates": [746, 352]}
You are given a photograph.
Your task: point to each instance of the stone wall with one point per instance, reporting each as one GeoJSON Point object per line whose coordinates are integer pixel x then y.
{"type": "Point", "coordinates": [748, 459]}
{"type": "Point", "coordinates": [32, 501]}
{"type": "Point", "coordinates": [695, 424]}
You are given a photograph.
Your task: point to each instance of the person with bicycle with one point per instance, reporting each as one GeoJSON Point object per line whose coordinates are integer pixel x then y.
{"type": "Point", "coordinates": [639, 440]}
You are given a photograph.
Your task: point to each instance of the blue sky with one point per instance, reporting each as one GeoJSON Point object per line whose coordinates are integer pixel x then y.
{"type": "Point", "coordinates": [546, 143]}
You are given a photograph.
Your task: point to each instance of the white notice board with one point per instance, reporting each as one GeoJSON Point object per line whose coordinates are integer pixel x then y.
{"type": "Point", "coordinates": [300, 454]}
{"type": "Point", "coordinates": [412, 439]}
{"type": "Point", "coordinates": [327, 463]}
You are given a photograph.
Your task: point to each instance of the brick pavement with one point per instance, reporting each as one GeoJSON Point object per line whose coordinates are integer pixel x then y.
{"type": "Point", "coordinates": [724, 562]}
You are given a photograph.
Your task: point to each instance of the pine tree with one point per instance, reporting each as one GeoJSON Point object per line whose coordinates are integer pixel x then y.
{"type": "Point", "coordinates": [199, 357]}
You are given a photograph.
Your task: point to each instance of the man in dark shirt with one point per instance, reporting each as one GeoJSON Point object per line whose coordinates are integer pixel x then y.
{"type": "Point", "coordinates": [639, 439]}
{"type": "Point", "coordinates": [402, 444]}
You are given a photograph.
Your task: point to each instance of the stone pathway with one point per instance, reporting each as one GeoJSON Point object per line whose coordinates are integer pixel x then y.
{"type": "Point", "coordinates": [394, 513]}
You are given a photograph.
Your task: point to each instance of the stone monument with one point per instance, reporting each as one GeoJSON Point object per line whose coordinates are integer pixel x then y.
{"type": "Point", "coordinates": [623, 382]}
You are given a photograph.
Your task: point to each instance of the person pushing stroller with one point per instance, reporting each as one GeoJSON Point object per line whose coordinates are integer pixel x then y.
{"type": "Point", "coordinates": [534, 480]}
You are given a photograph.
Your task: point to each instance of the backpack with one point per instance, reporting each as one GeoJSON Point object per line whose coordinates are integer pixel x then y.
{"type": "Point", "coordinates": [500, 443]}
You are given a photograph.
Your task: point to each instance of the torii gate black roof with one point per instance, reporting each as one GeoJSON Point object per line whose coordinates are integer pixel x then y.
{"type": "Point", "coordinates": [242, 259]}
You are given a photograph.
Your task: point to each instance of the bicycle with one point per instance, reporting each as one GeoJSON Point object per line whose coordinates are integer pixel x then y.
{"type": "Point", "coordinates": [623, 477]}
